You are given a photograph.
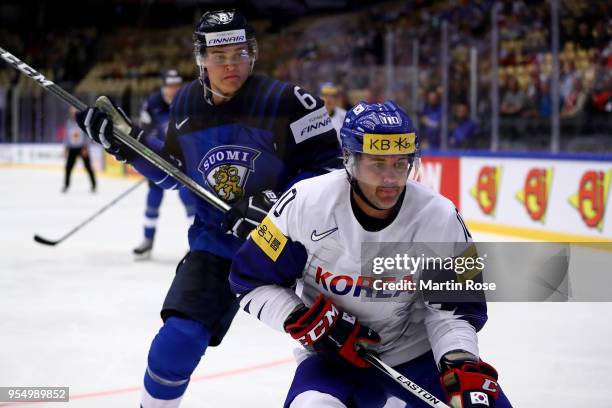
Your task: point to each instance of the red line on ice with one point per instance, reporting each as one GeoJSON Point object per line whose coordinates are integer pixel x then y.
{"type": "Point", "coordinates": [203, 377]}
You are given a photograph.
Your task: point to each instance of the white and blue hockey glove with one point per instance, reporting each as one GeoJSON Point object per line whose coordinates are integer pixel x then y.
{"type": "Point", "coordinates": [247, 213]}
{"type": "Point", "coordinates": [98, 122]}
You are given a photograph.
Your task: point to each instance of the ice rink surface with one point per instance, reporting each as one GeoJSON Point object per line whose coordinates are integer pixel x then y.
{"type": "Point", "coordinates": [82, 314]}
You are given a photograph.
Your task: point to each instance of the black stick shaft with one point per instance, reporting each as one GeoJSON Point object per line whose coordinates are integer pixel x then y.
{"type": "Point", "coordinates": [404, 382]}
{"type": "Point", "coordinates": [50, 242]}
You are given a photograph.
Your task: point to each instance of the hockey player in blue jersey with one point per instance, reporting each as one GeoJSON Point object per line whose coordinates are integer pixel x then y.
{"type": "Point", "coordinates": [242, 136]}
{"type": "Point", "coordinates": [154, 117]}
{"type": "Point", "coordinates": [310, 284]}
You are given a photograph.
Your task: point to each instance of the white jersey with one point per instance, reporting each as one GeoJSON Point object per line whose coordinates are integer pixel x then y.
{"type": "Point", "coordinates": [317, 214]}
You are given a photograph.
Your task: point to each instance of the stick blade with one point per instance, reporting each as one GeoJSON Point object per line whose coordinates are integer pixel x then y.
{"type": "Point", "coordinates": [44, 241]}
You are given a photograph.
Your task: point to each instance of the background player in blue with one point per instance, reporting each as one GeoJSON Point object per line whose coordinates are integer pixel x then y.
{"type": "Point", "coordinates": [242, 136]}
{"type": "Point", "coordinates": [309, 283]}
{"type": "Point", "coordinates": [154, 118]}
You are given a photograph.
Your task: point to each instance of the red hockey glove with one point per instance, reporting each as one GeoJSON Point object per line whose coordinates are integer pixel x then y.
{"type": "Point", "coordinates": [327, 330]}
{"type": "Point", "coordinates": [468, 383]}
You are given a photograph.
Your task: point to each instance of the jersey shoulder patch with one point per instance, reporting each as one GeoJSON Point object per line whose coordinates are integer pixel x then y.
{"type": "Point", "coordinates": [308, 116]}
{"type": "Point", "coordinates": [313, 124]}
{"type": "Point", "coordinates": [269, 238]}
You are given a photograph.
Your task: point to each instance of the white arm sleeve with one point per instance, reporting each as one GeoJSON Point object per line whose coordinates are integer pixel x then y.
{"type": "Point", "coordinates": [448, 332]}
{"type": "Point", "coordinates": [271, 304]}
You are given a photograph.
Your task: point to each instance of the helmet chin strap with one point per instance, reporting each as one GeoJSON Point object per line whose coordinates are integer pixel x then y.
{"type": "Point", "coordinates": [212, 91]}
{"type": "Point", "coordinates": [208, 87]}
{"type": "Point", "coordinates": [206, 83]}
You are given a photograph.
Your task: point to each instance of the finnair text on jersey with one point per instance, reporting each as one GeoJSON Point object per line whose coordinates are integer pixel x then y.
{"type": "Point", "coordinates": [320, 124]}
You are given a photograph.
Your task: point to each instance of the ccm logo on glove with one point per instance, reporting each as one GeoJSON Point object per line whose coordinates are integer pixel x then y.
{"type": "Point", "coordinates": [325, 322]}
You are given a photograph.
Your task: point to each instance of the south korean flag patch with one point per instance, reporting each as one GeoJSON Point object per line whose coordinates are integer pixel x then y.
{"type": "Point", "coordinates": [479, 398]}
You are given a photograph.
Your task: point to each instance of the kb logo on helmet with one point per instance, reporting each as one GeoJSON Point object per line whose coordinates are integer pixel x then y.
{"type": "Point", "coordinates": [401, 143]}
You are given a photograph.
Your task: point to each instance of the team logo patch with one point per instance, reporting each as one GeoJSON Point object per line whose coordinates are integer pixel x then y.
{"type": "Point", "coordinates": [226, 170]}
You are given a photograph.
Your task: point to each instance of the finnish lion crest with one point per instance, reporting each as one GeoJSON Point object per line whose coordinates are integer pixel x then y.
{"type": "Point", "coordinates": [226, 170]}
{"type": "Point", "coordinates": [227, 183]}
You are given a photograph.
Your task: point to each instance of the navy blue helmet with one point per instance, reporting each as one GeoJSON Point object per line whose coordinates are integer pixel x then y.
{"type": "Point", "coordinates": [380, 129]}
{"type": "Point", "coordinates": [223, 27]}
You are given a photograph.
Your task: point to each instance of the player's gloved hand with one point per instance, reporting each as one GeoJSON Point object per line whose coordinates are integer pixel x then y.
{"type": "Point", "coordinates": [467, 381]}
{"type": "Point", "coordinates": [247, 213]}
{"type": "Point", "coordinates": [98, 122]}
{"type": "Point", "coordinates": [327, 330]}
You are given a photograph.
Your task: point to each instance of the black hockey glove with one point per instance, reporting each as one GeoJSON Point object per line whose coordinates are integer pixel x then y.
{"type": "Point", "coordinates": [247, 213]}
{"type": "Point", "coordinates": [98, 123]}
{"type": "Point", "coordinates": [329, 331]}
{"type": "Point", "coordinates": [467, 381]}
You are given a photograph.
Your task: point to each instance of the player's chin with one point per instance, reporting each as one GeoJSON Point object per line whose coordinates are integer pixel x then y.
{"type": "Point", "coordinates": [387, 196]}
{"type": "Point", "coordinates": [386, 203]}
{"type": "Point", "coordinates": [233, 82]}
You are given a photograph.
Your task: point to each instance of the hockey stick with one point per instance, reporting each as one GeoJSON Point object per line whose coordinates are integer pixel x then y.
{"type": "Point", "coordinates": [50, 242]}
{"type": "Point", "coordinates": [104, 103]}
{"type": "Point", "coordinates": [406, 383]}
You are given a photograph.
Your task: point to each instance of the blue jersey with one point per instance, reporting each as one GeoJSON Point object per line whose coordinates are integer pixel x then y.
{"type": "Point", "coordinates": [154, 118]}
{"type": "Point", "coordinates": [268, 136]}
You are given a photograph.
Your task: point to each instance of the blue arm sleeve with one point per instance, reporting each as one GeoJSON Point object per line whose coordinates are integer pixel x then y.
{"type": "Point", "coordinates": [469, 306]}
{"type": "Point", "coordinates": [474, 313]}
{"type": "Point", "coordinates": [170, 152]}
{"type": "Point", "coordinates": [252, 267]}
{"type": "Point", "coordinates": [156, 175]}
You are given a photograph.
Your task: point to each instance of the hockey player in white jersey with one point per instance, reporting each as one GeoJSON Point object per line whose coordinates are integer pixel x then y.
{"type": "Point", "coordinates": [300, 272]}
